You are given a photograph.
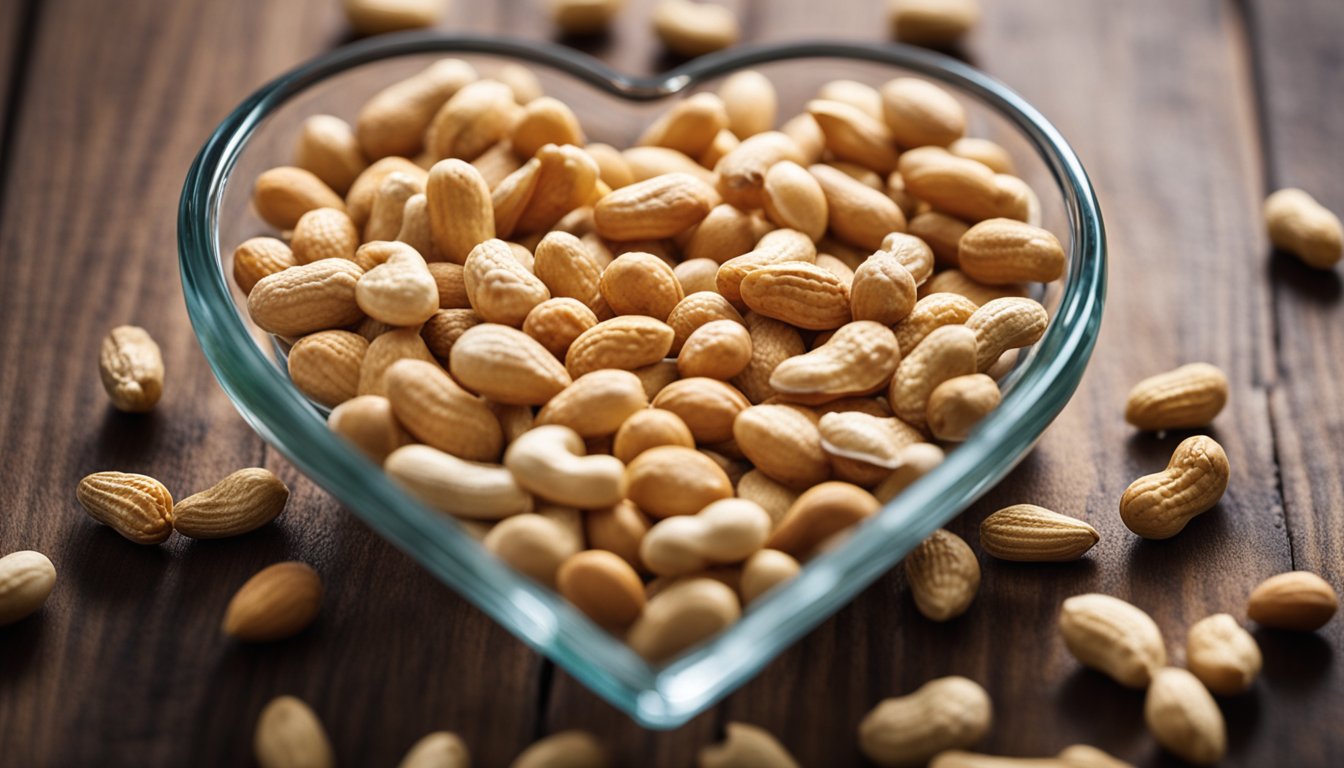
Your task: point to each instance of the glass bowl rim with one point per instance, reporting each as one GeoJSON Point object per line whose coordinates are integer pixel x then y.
{"type": "Point", "coordinates": [665, 696]}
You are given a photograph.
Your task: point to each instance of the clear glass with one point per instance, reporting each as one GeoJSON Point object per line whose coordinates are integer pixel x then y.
{"type": "Point", "coordinates": [261, 133]}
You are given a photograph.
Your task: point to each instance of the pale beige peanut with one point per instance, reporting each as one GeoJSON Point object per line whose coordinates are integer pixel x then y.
{"type": "Point", "coordinates": [370, 255]}
{"type": "Point", "coordinates": [933, 311]}
{"type": "Point", "coordinates": [550, 462]}
{"type": "Point", "coordinates": [500, 288]}
{"type": "Point", "coordinates": [1031, 534]}
{"type": "Point", "coordinates": [578, 749]}
{"type": "Point", "coordinates": [854, 135]}
{"type": "Point", "coordinates": [772, 342]}
{"type": "Point", "coordinates": [1222, 655]}
{"type": "Point", "coordinates": [537, 543]}
{"type": "Point", "coordinates": [394, 121]}
{"type": "Point", "coordinates": [522, 81]}
{"type": "Point", "coordinates": [726, 232]}
{"type": "Point", "coordinates": [569, 269]}
{"type": "Point", "coordinates": [440, 413]}
{"type": "Point", "coordinates": [583, 17]}
{"type": "Point", "coordinates": [742, 171]}
{"type": "Point", "coordinates": [279, 601]}
{"type": "Point", "coordinates": [617, 529]}
{"type": "Point", "coordinates": [913, 254]}
{"type": "Point", "coordinates": [138, 507]}
{"type": "Point", "coordinates": [647, 429]}
{"type": "Point", "coordinates": [958, 404]}
{"type": "Point", "coordinates": [479, 114]}
{"type": "Point", "coordinates": [806, 135]}
{"type": "Point", "coordinates": [1299, 601]}
{"type": "Point", "coordinates": [670, 480]}
{"type": "Point", "coordinates": [1160, 505]}
{"type": "Point", "coordinates": [451, 281]}
{"type": "Point", "coordinates": [719, 349]}
{"type": "Point", "coordinates": [858, 359]}
{"type": "Point", "coordinates": [441, 331]}
{"type": "Point", "coordinates": [682, 615]}
{"type": "Point", "coordinates": [794, 199]}
{"type": "Point", "coordinates": [956, 281]}
{"type": "Point", "coordinates": [385, 351]}
{"type": "Point", "coordinates": [282, 195]}
{"type": "Point", "coordinates": [662, 206]}
{"type": "Point", "coordinates": [883, 290]}
{"type": "Point", "coordinates": [781, 246]}
{"type": "Point", "coordinates": [798, 293]}
{"type": "Point", "coordinates": [919, 113]}
{"type": "Point", "coordinates": [26, 580]}
{"type": "Point", "coordinates": [765, 570]}
{"type": "Point", "coordinates": [1184, 718]}
{"type": "Point", "coordinates": [289, 735]}
{"type": "Point", "coordinates": [943, 714]}
{"type": "Point", "coordinates": [545, 121]}
{"type": "Point", "coordinates": [914, 462]}
{"type": "Point", "coordinates": [725, 531]}
{"type": "Point", "coordinates": [1188, 396]}
{"type": "Point", "coordinates": [556, 323]}
{"type": "Point", "coordinates": [306, 298]}
{"type": "Point", "coordinates": [400, 291]}
{"type": "Point", "coordinates": [870, 178]}
{"type": "Point", "coordinates": [440, 749]}
{"type": "Point", "coordinates": [597, 403]}
{"type": "Point", "coordinates": [746, 746]}
{"type": "Point", "coordinates": [858, 214]}
{"type": "Point", "coordinates": [998, 251]}
{"type": "Point", "coordinates": [1084, 756]}
{"type": "Point", "coordinates": [130, 366]}
{"type": "Point", "coordinates": [1113, 637]}
{"type": "Point", "coordinates": [626, 342]}
{"type": "Point", "coordinates": [838, 268]}
{"type": "Point", "coordinates": [774, 497]}
{"type": "Point", "coordinates": [511, 196]}
{"type": "Point", "coordinates": [750, 101]}
{"type": "Point", "coordinates": [934, 23]}
{"type": "Point", "coordinates": [603, 586]}
{"type": "Point", "coordinates": [495, 164]}
{"type": "Point", "coordinates": [359, 200]}
{"type": "Point", "coordinates": [695, 310]}
{"type": "Point", "coordinates": [783, 442]}
{"type": "Point", "coordinates": [708, 407]}
{"type": "Point", "coordinates": [1004, 324]}
{"type": "Point", "coordinates": [944, 576]}
{"type": "Point", "coordinates": [942, 233]}
{"type": "Point", "coordinates": [367, 422]}
{"type": "Point", "coordinates": [694, 29]}
{"type": "Point", "coordinates": [327, 147]}
{"type": "Point", "coordinates": [696, 275]}
{"type": "Point", "coordinates": [864, 448]}
{"type": "Point", "coordinates": [639, 283]}
{"type": "Point", "coordinates": [461, 210]}
{"type": "Point", "coordinates": [985, 152]}
{"type": "Point", "coordinates": [1297, 223]}
{"type": "Point", "coordinates": [861, 96]}
{"type": "Point", "coordinates": [613, 170]}
{"type": "Point", "coordinates": [647, 163]}
{"type": "Point", "coordinates": [389, 205]}
{"type": "Point", "coordinates": [260, 257]}
{"type": "Point", "coordinates": [947, 352]}
{"type": "Point", "coordinates": [463, 488]}
{"type": "Point", "coordinates": [960, 187]}
{"type": "Point", "coordinates": [688, 126]}
{"type": "Point", "coordinates": [566, 180]}
{"type": "Point", "coordinates": [325, 366]}
{"type": "Point", "coordinates": [514, 420]}
{"type": "Point", "coordinates": [507, 366]}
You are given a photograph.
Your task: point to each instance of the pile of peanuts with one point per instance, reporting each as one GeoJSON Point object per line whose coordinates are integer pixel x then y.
{"type": "Point", "coordinates": [700, 360]}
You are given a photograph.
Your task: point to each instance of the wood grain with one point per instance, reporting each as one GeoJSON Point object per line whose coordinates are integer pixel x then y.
{"type": "Point", "coordinates": [125, 667]}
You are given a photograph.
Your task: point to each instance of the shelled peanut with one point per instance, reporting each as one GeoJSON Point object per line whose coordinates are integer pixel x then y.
{"type": "Point", "coordinates": [658, 379]}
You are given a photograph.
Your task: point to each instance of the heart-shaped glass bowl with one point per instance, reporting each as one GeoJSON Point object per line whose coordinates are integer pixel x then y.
{"type": "Point", "coordinates": [261, 133]}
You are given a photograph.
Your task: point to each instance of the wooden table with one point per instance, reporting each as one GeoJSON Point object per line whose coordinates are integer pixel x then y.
{"type": "Point", "coordinates": [1185, 115]}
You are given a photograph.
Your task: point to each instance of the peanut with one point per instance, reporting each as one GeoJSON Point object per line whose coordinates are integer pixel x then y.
{"type": "Point", "coordinates": [670, 480]}
{"type": "Point", "coordinates": [449, 484]}
{"type": "Point", "coordinates": [289, 734]}
{"type": "Point", "coordinates": [784, 442]}
{"type": "Point", "coordinates": [627, 342]}
{"type": "Point", "coordinates": [640, 284]}
{"type": "Point", "coordinates": [1299, 601]}
{"type": "Point", "coordinates": [853, 135]}
{"type": "Point", "coordinates": [998, 251]}
{"type": "Point", "coordinates": [259, 257]}
{"type": "Point", "coordinates": [1114, 637]}
{"type": "Point", "coordinates": [820, 512]}
{"type": "Point", "coordinates": [858, 214]}
{"type": "Point", "coordinates": [725, 531]}
{"type": "Point", "coordinates": [400, 291]}
{"type": "Point", "coordinates": [1189, 396]}
{"type": "Point", "coordinates": [506, 366]}
{"type": "Point", "coordinates": [536, 544]}
{"type": "Point", "coordinates": [240, 503]}
{"type": "Point", "coordinates": [1160, 505]}
{"type": "Point", "coordinates": [946, 713]}
{"type": "Point", "coordinates": [746, 746]}
{"type": "Point", "coordinates": [549, 461]}
{"type": "Point", "coordinates": [367, 421]}
{"type": "Point", "coordinates": [277, 602]}
{"type": "Point", "coordinates": [750, 102]}
{"type": "Point", "coordinates": [282, 195]}
{"type": "Point", "coordinates": [958, 404]}
{"type": "Point", "coordinates": [26, 580]}
{"type": "Point", "coordinates": [693, 29]}
{"type": "Point", "coordinates": [603, 586]}
{"type": "Point", "coordinates": [859, 359]}
{"type": "Point", "coordinates": [1004, 324]}
{"type": "Point", "coordinates": [1031, 534]}
{"type": "Point", "coordinates": [131, 368]}
{"type": "Point", "coordinates": [719, 349]}
{"type": "Point", "coordinates": [919, 113]}
{"type": "Point", "coordinates": [500, 288]}
{"type": "Point", "coordinates": [1222, 655]}
{"type": "Point", "coordinates": [441, 749]}
{"type": "Point", "coordinates": [324, 233]}
{"type": "Point", "coordinates": [793, 199]}
{"type": "Point", "coordinates": [682, 615]}
{"type": "Point", "coordinates": [440, 413]}
{"type": "Point", "coordinates": [944, 576]}
{"type": "Point", "coordinates": [135, 506]}
{"type": "Point", "coordinates": [933, 23]}
{"type": "Point", "coordinates": [1305, 228]}
{"type": "Point", "coordinates": [946, 353]}
{"type": "Point", "coordinates": [597, 403]}
{"type": "Point", "coordinates": [1184, 718]}
{"type": "Point", "coordinates": [583, 17]}
{"type": "Point", "coordinates": [327, 147]}
{"type": "Point", "coordinates": [307, 298]}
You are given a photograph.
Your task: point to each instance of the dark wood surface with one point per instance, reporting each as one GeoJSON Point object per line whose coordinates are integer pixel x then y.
{"type": "Point", "coordinates": [1185, 115]}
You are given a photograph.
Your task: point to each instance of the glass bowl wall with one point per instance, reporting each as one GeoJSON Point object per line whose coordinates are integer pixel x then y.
{"type": "Point", "coordinates": [215, 215]}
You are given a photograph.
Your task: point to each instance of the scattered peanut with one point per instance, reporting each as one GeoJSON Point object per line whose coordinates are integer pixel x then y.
{"type": "Point", "coordinates": [946, 713]}
{"type": "Point", "coordinates": [26, 579]}
{"type": "Point", "coordinates": [567, 749]}
{"type": "Point", "coordinates": [1305, 228]}
{"type": "Point", "coordinates": [746, 746]}
{"type": "Point", "coordinates": [276, 603]}
{"type": "Point", "coordinates": [1160, 505]}
{"type": "Point", "coordinates": [1222, 655]}
{"type": "Point", "coordinates": [289, 735]}
{"type": "Point", "coordinates": [1032, 534]}
{"type": "Point", "coordinates": [240, 503]}
{"type": "Point", "coordinates": [131, 368]}
{"type": "Point", "coordinates": [376, 17]}
{"type": "Point", "coordinates": [441, 749]}
{"type": "Point", "coordinates": [1184, 718]}
{"type": "Point", "coordinates": [136, 506]}
{"type": "Point", "coordinates": [944, 576]}
{"type": "Point", "coordinates": [1110, 635]}
{"type": "Point", "coordinates": [1299, 601]}
{"type": "Point", "coordinates": [935, 23]}
{"type": "Point", "coordinates": [692, 28]}
{"type": "Point", "coordinates": [1189, 396]}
